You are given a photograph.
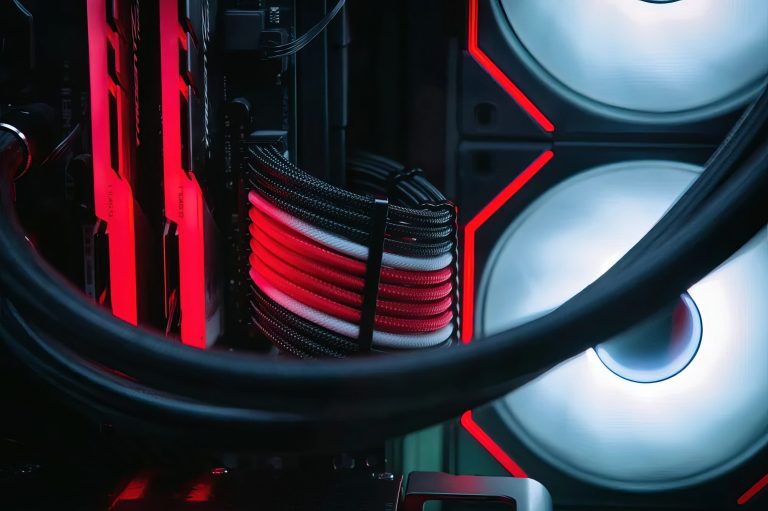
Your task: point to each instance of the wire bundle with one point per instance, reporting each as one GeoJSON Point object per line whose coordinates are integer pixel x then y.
{"type": "Point", "coordinates": [310, 246]}
{"type": "Point", "coordinates": [292, 47]}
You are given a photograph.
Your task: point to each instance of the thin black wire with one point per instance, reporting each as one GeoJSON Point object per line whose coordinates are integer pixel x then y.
{"type": "Point", "coordinates": [287, 49]}
{"type": "Point", "coordinates": [66, 145]}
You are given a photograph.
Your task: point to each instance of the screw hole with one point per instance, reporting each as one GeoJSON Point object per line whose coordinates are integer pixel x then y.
{"type": "Point", "coordinates": [485, 114]}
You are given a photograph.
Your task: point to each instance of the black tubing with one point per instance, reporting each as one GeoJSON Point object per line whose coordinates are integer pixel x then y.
{"type": "Point", "coordinates": [404, 389]}
{"type": "Point", "coordinates": [358, 387]}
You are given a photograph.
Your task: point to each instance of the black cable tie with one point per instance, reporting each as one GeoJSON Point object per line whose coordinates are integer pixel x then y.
{"type": "Point", "coordinates": [379, 216]}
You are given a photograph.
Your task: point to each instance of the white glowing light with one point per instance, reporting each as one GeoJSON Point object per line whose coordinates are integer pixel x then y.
{"type": "Point", "coordinates": [691, 56]}
{"type": "Point", "coordinates": [657, 348]}
{"type": "Point", "coordinates": [585, 419]}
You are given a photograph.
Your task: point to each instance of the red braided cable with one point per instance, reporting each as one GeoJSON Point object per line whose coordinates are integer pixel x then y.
{"type": "Point", "coordinates": [300, 244]}
{"type": "Point", "coordinates": [346, 281]}
{"type": "Point", "coordinates": [346, 297]}
{"type": "Point", "coordinates": [315, 301]}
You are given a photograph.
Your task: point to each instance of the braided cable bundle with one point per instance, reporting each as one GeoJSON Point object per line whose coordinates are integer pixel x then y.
{"type": "Point", "coordinates": [336, 272]}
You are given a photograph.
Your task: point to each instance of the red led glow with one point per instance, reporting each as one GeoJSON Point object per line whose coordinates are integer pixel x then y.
{"type": "Point", "coordinates": [492, 447]}
{"type": "Point", "coordinates": [498, 75]}
{"type": "Point", "coordinates": [113, 196]}
{"type": "Point", "coordinates": [752, 491]}
{"type": "Point", "coordinates": [134, 490]}
{"type": "Point", "coordinates": [470, 229]}
{"type": "Point", "coordinates": [468, 297]}
{"type": "Point", "coordinates": [200, 492]}
{"type": "Point", "coordinates": [183, 197]}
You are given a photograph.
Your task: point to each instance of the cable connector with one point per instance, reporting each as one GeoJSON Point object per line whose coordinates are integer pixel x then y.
{"type": "Point", "coordinates": [32, 129]}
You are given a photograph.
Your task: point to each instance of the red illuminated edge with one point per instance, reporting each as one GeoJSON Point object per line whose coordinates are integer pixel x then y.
{"type": "Point", "coordinates": [753, 490]}
{"type": "Point", "coordinates": [113, 196]}
{"type": "Point", "coordinates": [492, 447]}
{"type": "Point", "coordinates": [467, 322]}
{"type": "Point", "coordinates": [470, 229]}
{"type": "Point", "coordinates": [468, 297]}
{"type": "Point", "coordinates": [492, 69]}
{"type": "Point", "coordinates": [184, 204]}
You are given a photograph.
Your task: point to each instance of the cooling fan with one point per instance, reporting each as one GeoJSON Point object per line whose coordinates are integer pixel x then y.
{"type": "Point", "coordinates": [643, 61]}
{"type": "Point", "coordinates": [581, 123]}
{"type": "Point", "coordinates": [675, 402]}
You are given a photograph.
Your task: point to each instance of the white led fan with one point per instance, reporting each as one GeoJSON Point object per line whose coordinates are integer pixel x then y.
{"type": "Point", "coordinates": [675, 401]}
{"type": "Point", "coordinates": [656, 61]}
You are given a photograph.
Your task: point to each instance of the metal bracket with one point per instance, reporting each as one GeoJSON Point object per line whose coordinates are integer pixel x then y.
{"type": "Point", "coordinates": [519, 494]}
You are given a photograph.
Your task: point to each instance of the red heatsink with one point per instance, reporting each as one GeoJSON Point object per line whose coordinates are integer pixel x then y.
{"type": "Point", "coordinates": [113, 152]}
{"type": "Point", "coordinates": [184, 203]}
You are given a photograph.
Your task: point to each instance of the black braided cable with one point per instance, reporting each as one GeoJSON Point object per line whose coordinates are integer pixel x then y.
{"type": "Point", "coordinates": [311, 339]}
{"type": "Point", "coordinates": [294, 177]}
{"type": "Point", "coordinates": [420, 223]}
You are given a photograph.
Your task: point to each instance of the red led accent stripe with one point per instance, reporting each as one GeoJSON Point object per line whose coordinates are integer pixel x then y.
{"type": "Point", "coordinates": [498, 75]}
{"type": "Point", "coordinates": [468, 299]}
{"type": "Point", "coordinates": [492, 447]}
{"type": "Point", "coordinates": [183, 197]}
{"type": "Point", "coordinates": [470, 229]}
{"type": "Point", "coordinates": [113, 196]}
{"type": "Point", "coordinates": [754, 490]}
